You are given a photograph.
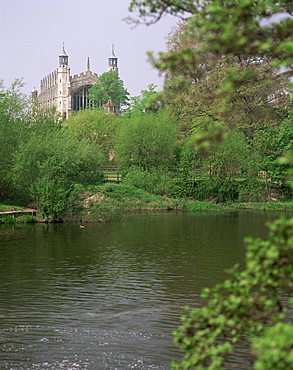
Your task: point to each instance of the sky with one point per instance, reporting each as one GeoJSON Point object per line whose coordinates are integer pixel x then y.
{"type": "Point", "coordinates": [32, 33]}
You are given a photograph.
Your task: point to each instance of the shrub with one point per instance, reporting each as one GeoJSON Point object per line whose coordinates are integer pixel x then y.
{"type": "Point", "coordinates": [7, 219]}
{"type": "Point", "coordinates": [220, 190]}
{"type": "Point", "coordinates": [153, 181]}
{"type": "Point", "coordinates": [29, 219]}
{"type": "Point", "coordinates": [251, 190]}
{"type": "Point", "coordinates": [181, 185]}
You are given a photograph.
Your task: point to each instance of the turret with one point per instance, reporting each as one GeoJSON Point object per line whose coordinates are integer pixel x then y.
{"type": "Point", "coordinates": [113, 62]}
{"type": "Point", "coordinates": [34, 93]}
{"type": "Point", "coordinates": [63, 85]}
{"type": "Point", "coordinates": [63, 58]}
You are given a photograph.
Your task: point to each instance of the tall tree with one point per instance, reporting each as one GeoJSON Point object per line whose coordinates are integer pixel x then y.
{"type": "Point", "coordinates": [145, 140]}
{"type": "Point", "coordinates": [261, 28]}
{"type": "Point", "coordinates": [93, 126]}
{"type": "Point", "coordinates": [14, 123]}
{"type": "Point", "coordinates": [109, 87]}
{"type": "Point", "coordinates": [195, 92]}
{"type": "Point", "coordinates": [146, 101]}
{"type": "Point", "coordinates": [244, 305]}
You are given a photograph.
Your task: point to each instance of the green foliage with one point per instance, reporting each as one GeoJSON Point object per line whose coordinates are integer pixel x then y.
{"type": "Point", "coordinates": [93, 126]}
{"type": "Point", "coordinates": [109, 87]}
{"type": "Point", "coordinates": [256, 28]}
{"type": "Point", "coordinates": [153, 181]}
{"type": "Point", "coordinates": [181, 185]}
{"type": "Point", "coordinates": [275, 348]}
{"type": "Point", "coordinates": [271, 143]}
{"type": "Point", "coordinates": [28, 219]}
{"type": "Point", "coordinates": [205, 206]}
{"type": "Point", "coordinates": [251, 190]}
{"type": "Point", "coordinates": [13, 128]}
{"type": "Point", "coordinates": [47, 165]}
{"type": "Point", "coordinates": [144, 102]}
{"type": "Point", "coordinates": [7, 219]}
{"type": "Point", "coordinates": [243, 305]}
{"type": "Point", "coordinates": [229, 158]}
{"type": "Point", "coordinates": [195, 93]}
{"type": "Point", "coordinates": [215, 189]}
{"type": "Point", "coordinates": [144, 141]}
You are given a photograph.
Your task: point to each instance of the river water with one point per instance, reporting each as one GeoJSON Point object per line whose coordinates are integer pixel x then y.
{"type": "Point", "coordinates": [108, 296]}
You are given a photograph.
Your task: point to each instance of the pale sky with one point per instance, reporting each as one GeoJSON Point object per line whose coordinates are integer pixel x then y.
{"type": "Point", "coordinates": [32, 33]}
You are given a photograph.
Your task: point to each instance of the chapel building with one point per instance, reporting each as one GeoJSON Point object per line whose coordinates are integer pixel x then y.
{"type": "Point", "coordinates": [69, 93]}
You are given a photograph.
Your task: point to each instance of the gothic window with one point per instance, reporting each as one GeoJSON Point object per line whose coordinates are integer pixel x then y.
{"type": "Point", "coordinates": [80, 98]}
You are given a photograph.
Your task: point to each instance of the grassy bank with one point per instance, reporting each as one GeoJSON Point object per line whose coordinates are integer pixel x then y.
{"type": "Point", "coordinates": [101, 203]}
{"type": "Point", "coordinates": [105, 202]}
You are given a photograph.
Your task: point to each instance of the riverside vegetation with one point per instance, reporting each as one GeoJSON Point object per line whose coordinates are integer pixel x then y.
{"type": "Point", "coordinates": [223, 58]}
{"type": "Point", "coordinates": [211, 139]}
{"type": "Point", "coordinates": [165, 158]}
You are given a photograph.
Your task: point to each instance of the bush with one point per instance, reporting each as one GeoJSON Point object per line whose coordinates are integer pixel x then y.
{"type": "Point", "coordinates": [153, 181]}
{"type": "Point", "coordinates": [7, 219]}
{"type": "Point", "coordinates": [182, 185]}
{"type": "Point", "coordinates": [220, 190]}
{"type": "Point", "coordinates": [145, 141]}
{"type": "Point", "coordinates": [274, 353]}
{"type": "Point", "coordinates": [55, 197]}
{"type": "Point", "coordinates": [29, 219]}
{"type": "Point", "coordinates": [46, 169]}
{"type": "Point", "coordinates": [251, 190]}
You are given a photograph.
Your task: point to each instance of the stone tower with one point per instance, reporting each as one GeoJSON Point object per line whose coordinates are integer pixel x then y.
{"type": "Point", "coordinates": [63, 85]}
{"type": "Point", "coordinates": [113, 62]}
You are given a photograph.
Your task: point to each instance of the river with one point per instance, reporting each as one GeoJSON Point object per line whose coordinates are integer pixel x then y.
{"type": "Point", "coordinates": [108, 296]}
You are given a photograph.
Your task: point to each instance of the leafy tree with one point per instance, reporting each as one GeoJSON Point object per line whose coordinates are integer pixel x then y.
{"type": "Point", "coordinates": [145, 140]}
{"type": "Point", "coordinates": [261, 28]}
{"type": "Point", "coordinates": [13, 129]}
{"type": "Point", "coordinates": [270, 144]}
{"type": "Point", "coordinates": [249, 301]}
{"type": "Point", "coordinates": [243, 306]}
{"type": "Point", "coordinates": [48, 165]}
{"type": "Point", "coordinates": [228, 158]}
{"type": "Point", "coordinates": [110, 86]}
{"type": "Point", "coordinates": [93, 126]}
{"type": "Point", "coordinates": [193, 91]}
{"type": "Point", "coordinates": [143, 102]}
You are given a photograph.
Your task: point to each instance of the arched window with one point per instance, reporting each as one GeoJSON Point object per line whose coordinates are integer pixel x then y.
{"type": "Point", "coordinates": [80, 98]}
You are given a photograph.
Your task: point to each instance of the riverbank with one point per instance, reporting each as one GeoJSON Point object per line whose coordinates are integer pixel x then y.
{"type": "Point", "coordinates": [103, 203]}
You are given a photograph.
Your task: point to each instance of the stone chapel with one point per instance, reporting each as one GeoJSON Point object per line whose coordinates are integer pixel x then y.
{"type": "Point", "coordinates": [69, 93]}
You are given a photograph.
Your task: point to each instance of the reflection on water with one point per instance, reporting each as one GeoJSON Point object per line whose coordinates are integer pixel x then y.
{"type": "Point", "coordinates": [109, 296]}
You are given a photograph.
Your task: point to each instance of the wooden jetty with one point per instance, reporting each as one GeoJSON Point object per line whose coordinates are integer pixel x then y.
{"type": "Point", "coordinates": [23, 212]}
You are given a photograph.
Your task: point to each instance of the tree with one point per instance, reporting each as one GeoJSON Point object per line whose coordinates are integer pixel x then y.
{"type": "Point", "coordinates": [243, 306]}
{"type": "Point", "coordinates": [270, 144]}
{"type": "Point", "coordinates": [93, 126]}
{"type": "Point", "coordinates": [261, 28]}
{"type": "Point", "coordinates": [48, 165]}
{"type": "Point", "coordinates": [13, 129]}
{"type": "Point", "coordinates": [146, 101]}
{"type": "Point", "coordinates": [109, 87]}
{"type": "Point", "coordinates": [252, 299]}
{"type": "Point", "coordinates": [144, 141]}
{"type": "Point", "coordinates": [194, 94]}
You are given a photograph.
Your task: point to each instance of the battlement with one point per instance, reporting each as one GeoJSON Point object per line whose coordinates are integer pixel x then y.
{"type": "Point", "coordinates": [83, 75]}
